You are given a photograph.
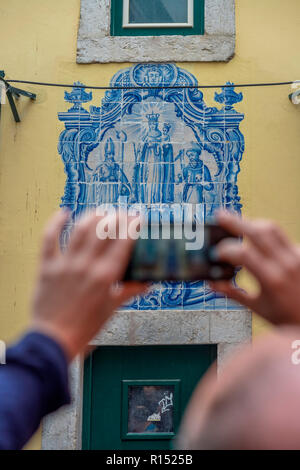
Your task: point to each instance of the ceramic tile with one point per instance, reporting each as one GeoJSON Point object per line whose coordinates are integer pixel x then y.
{"type": "Point", "coordinates": [155, 148]}
{"type": "Point", "coordinates": [194, 299]}
{"type": "Point", "coordinates": [150, 301]}
{"type": "Point", "coordinates": [172, 298]}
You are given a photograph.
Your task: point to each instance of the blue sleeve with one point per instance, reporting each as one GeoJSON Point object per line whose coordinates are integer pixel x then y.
{"type": "Point", "coordinates": [33, 383]}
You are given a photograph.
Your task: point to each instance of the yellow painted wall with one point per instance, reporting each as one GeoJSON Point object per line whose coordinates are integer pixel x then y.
{"type": "Point", "coordinates": [38, 42]}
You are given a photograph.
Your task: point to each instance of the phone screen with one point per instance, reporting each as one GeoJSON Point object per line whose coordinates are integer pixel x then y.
{"type": "Point", "coordinates": [178, 259]}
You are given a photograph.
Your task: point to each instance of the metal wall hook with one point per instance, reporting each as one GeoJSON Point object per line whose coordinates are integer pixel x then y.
{"type": "Point", "coordinates": [12, 92]}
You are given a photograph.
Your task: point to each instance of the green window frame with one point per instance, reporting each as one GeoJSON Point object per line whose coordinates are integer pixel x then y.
{"type": "Point", "coordinates": [117, 28]}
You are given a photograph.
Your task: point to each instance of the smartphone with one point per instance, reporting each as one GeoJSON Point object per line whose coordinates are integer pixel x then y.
{"type": "Point", "coordinates": [175, 258]}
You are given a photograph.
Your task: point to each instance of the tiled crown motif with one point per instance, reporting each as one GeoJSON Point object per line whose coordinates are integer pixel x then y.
{"type": "Point", "coordinates": [154, 147]}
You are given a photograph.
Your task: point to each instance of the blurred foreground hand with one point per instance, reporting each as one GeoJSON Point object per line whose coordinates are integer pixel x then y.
{"type": "Point", "coordinates": [271, 258]}
{"type": "Point", "coordinates": [76, 289]}
{"type": "Point", "coordinates": [253, 404]}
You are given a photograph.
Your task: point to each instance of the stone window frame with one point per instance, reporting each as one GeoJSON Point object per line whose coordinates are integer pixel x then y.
{"type": "Point", "coordinates": [96, 45]}
{"type": "Point", "coordinates": [227, 329]}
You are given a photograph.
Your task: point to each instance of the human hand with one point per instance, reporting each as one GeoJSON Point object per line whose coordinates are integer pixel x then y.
{"type": "Point", "coordinates": [76, 290]}
{"type": "Point", "coordinates": [271, 258]}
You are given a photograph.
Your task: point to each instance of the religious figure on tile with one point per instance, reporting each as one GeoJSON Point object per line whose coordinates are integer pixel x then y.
{"type": "Point", "coordinates": [154, 178]}
{"type": "Point", "coordinates": [195, 176]}
{"type": "Point", "coordinates": [109, 182]}
{"type": "Point", "coordinates": [153, 76]}
{"type": "Point", "coordinates": [168, 160]}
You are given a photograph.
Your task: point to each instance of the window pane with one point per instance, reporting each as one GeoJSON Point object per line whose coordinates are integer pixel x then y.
{"type": "Point", "coordinates": [158, 11]}
{"type": "Point", "coordinates": [150, 408]}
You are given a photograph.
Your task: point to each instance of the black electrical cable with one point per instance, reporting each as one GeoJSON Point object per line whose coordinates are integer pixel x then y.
{"type": "Point", "coordinates": [244, 85]}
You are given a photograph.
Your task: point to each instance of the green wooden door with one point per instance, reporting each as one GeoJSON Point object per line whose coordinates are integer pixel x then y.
{"type": "Point", "coordinates": [134, 396]}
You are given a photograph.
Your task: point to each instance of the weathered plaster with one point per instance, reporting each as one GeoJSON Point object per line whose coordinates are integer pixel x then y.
{"type": "Point", "coordinates": [94, 43]}
{"type": "Point", "coordinates": [227, 329]}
